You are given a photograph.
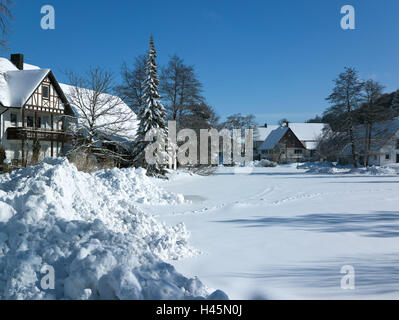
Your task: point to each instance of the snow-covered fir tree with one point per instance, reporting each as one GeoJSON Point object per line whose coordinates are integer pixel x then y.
{"type": "Point", "coordinates": [152, 122]}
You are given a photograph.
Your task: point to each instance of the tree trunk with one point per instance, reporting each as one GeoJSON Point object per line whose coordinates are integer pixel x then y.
{"type": "Point", "coordinates": [353, 148]}
{"type": "Point", "coordinates": [370, 128]}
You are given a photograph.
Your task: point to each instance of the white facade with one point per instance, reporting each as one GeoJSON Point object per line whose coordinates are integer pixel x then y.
{"type": "Point", "coordinates": [388, 154]}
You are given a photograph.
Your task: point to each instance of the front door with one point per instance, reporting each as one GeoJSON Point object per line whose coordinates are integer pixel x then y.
{"type": "Point", "coordinates": [397, 158]}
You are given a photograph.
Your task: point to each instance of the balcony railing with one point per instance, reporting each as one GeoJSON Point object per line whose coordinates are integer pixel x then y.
{"type": "Point", "coordinates": [19, 133]}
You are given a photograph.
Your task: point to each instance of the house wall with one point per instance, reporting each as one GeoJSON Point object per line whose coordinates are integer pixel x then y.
{"type": "Point", "coordinates": [10, 146]}
{"type": "Point", "coordinates": [53, 103]}
{"type": "Point", "coordinates": [289, 155]}
{"type": "Point", "coordinates": [379, 158]}
{"type": "Point", "coordinates": [391, 149]}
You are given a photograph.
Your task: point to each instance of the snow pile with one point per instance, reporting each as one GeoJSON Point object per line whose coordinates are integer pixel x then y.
{"type": "Point", "coordinates": [258, 164]}
{"type": "Point", "coordinates": [333, 168]}
{"type": "Point", "coordinates": [265, 163]}
{"type": "Point", "coordinates": [323, 168]}
{"type": "Point", "coordinates": [89, 229]}
{"type": "Point", "coordinates": [375, 171]}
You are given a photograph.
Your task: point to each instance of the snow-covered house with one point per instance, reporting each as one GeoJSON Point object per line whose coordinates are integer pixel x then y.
{"type": "Point", "coordinates": [384, 144]}
{"type": "Point", "coordinates": [306, 133]}
{"type": "Point", "coordinates": [282, 145]}
{"type": "Point", "coordinates": [32, 106]}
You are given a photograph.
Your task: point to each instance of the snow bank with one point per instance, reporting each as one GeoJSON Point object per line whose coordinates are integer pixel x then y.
{"type": "Point", "coordinates": [259, 164]}
{"type": "Point", "coordinates": [89, 229]}
{"type": "Point", "coordinates": [332, 168]}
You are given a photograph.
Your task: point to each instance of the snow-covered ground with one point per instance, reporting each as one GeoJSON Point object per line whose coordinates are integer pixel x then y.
{"type": "Point", "coordinates": [284, 232]}
{"type": "Point", "coordinates": [253, 232]}
{"type": "Point", "coordinates": [65, 234]}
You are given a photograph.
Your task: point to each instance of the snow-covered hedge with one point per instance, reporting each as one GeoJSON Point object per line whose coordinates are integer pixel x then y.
{"type": "Point", "coordinates": [258, 164]}
{"type": "Point", "coordinates": [89, 229]}
{"type": "Point", "coordinates": [333, 168]}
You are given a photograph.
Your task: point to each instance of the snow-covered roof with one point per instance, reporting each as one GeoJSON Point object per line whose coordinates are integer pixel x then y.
{"type": "Point", "coordinates": [262, 132]}
{"type": "Point", "coordinates": [307, 131]}
{"type": "Point", "coordinates": [28, 66]}
{"type": "Point", "coordinates": [16, 86]}
{"type": "Point", "coordinates": [122, 110]}
{"type": "Point", "coordinates": [273, 138]}
{"type": "Point", "coordinates": [21, 85]}
{"type": "Point", "coordinates": [304, 131]}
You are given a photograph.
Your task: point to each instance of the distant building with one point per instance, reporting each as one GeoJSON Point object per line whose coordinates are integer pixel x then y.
{"type": "Point", "coordinates": [280, 143]}
{"type": "Point", "coordinates": [384, 144]}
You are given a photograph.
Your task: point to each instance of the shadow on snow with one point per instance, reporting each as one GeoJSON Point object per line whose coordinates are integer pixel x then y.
{"type": "Point", "coordinates": [383, 224]}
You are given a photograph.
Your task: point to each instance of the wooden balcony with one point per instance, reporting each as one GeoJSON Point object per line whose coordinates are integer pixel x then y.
{"type": "Point", "coordinates": [15, 133]}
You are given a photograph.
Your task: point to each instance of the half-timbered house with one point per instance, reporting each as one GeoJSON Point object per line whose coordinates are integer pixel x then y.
{"type": "Point", "coordinates": [33, 108]}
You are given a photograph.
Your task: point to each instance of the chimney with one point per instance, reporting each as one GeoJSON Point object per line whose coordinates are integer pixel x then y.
{"type": "Point", "coordinates": [18, 60]}
{"type": "Point", "coordinates": [265, 125]}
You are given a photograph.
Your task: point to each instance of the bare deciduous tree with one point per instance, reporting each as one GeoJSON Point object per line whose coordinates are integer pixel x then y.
{"type": "Point", "coordinates": [104, 122]}
{"type": "Point", "coordinates": [5, 17]}
{"type": "Point", "coordinates": [132, 88]}
{"type": "Point", "coordinates": [180, 88]}
{"type": "Point", "coordinates": [372, 112]}
{"type": "Point", "coordinates": [238, 121]}
{"type": "Point", "coordinates": [345, 98]}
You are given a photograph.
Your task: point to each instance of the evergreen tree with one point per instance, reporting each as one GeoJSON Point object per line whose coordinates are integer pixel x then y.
{"type": "Point", "coordinates": [152, 122]}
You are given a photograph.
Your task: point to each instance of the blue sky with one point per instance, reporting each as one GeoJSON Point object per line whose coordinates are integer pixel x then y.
{"type": "Point", "coordinates": [274, 59]}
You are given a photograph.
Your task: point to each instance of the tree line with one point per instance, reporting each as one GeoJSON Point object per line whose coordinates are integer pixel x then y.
{"type": "Point", "coordinates": [156, 95]}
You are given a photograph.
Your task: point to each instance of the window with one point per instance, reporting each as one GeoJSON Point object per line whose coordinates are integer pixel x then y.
{"type": "Point", "coordinates": [14, 119]}
{"type": "Point", "coordinates": [46, 92]}
{"type": "Point", "coordinates": [38, 122]}
{"type": "Point", "coordinates": [387, 156]}
{"type": "Point", "coordinates": [298, 151]}
{"type": "Point", "coordinates": [397, 144]}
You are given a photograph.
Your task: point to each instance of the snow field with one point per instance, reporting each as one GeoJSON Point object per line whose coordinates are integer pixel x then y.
{"type": "Point", "coordinates": [89, 228]}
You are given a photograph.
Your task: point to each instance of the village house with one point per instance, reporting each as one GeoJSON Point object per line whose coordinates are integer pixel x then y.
{"type": "Point", "coordinates": [384, 144]}
{"type": "Point", "coordinates": [291, 142]}
{"type": "Point", "coordinates": [34, 109]}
